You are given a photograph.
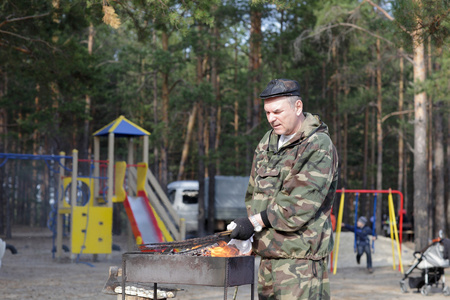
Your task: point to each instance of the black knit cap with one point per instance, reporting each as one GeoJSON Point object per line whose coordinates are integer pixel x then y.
{"type": "Point", "coordinates": [281, 87]}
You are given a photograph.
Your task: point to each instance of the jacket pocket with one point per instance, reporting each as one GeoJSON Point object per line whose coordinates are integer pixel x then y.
{"type": "Point", "coordinates": [268, 181]}
{"type": "Point", "coordinates": [268, 172]}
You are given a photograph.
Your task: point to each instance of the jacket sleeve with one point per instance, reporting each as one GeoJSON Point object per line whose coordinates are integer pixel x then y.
{"type": "Point", "coordinates": [304, 190]}
{"type": "Point", "coordinates": [250, 188]}
{"type": "Point", "coordinates": [349, 227]}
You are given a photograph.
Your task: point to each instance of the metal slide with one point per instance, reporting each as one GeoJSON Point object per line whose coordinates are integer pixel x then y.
{"type": "Point", "coordinates": [142, 219]}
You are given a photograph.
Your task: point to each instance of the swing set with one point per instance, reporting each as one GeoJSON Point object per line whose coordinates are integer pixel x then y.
{"type": "Point", "coordinates": [396, 235]}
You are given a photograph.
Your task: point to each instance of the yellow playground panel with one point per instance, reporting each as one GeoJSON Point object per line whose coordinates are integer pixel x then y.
{"type": "Point", "coordinates": [91, 223]}
{"type": "Point", "coordinates": [92, 229]}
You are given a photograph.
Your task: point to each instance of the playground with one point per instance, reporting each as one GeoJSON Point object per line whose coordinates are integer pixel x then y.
{"type": "Point", "coordinates": [87, 189]}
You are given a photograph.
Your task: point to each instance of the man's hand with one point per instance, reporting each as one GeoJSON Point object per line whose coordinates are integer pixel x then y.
{"type": "Point", "coordinates": [243, 230]}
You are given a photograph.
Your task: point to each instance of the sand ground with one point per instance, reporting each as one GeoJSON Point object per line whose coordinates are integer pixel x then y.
{"type": "Point", "coordinates": [33, 273]}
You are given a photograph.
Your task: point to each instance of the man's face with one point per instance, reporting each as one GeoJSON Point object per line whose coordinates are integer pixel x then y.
{"type": "Point", "coordinates": [283, 118]}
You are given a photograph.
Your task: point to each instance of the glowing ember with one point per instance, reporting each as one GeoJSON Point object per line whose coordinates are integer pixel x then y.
{"type": "Point", "coordinates": [223, 250]}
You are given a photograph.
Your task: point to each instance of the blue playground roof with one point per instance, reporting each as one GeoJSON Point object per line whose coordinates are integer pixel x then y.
{"type": "Point", "coordinates": [122, 127]}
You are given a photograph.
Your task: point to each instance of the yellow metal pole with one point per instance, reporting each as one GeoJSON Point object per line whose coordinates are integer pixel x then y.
{"type": "Point", "coordinates": [96, 167]}
{"type": "Point", "coordinates": [130, 162]}
{"type": "Point", "coordinates": [73, 197]}
{"type": "Point", "coordinates": [338, 231]}
{"type": "Point", "coordinates": [391, 207]}
{"type": "Point", "coordinates": [110, 168]}
{"type": "Point", "coordinates": [391, 227]}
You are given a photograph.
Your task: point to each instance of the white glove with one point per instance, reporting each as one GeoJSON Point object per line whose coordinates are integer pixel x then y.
{"type": "Point", "coordinates": [231, 226]}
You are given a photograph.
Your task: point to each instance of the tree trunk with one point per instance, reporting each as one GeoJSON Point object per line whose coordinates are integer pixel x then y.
{"type": "Point", "coordinates": [45, 196]}
{"type": "Point", "coordinates": [439, 160]}
{"type": "Point", "coordinates": [84, 151]}
{"type": "Point", "coordinates": [3, 200]}
{"type": "Point", "coordinates": [253, 100]}
{"type": "Point", "coordinates": [201, 148]}
{"type": "Point", "coordinates": [218, 135]}
{"type": "Point", "coordinates": [344, 149]}
{"type": "Point", "coordinates": [324, 79]}
{"type": "Point", "coordinates": [373, 138]}
{"type": "Point", "coordinates": [439, 193]}
{"type": "Point", "coordinates": [165, 118]}
{"type": "Point", "coordinates": [448, 174]}
{"type": "Point", "coordinates": [236, 134]}
{"type": "Point", "coordinates": [213, 133]}
{"type": "Point", "coordinates": [3, 149]}
{"type": "Point", "coordinates": [432, 201]}
{"type": "Point", "coordinates": [344, 152]}
{"type": "Point", "coordinates": [201, 171]}
{"type": "Point", "coordinates": [420, 146]}
{"type": "Point", "coordinates": [155, 109]}
{"type": "Point", "coordinates": [366, 146]}
{"type": "Point", "coordinates": [9, 199]}
{"type": "Point", "coordinates": [280, 67]}
{"type": "Point", "coordinates": [366, 138]}
{"type": "Point", "coordinates": [400, 131]}
{"type": "Point", "coordinates": [187, 140]}
{"type": "Point", "coordinates": [402, 175]}
{"type": "Point", "coordinates": [379, 138]}
{"type": "Point", "coordinates": [255, 62]}
{"type": "Point", "coordinates": [335, 92]}
{"type": "Point", "coordinates": [34, 174]}
{"type": "Point", "coordinates": [236, 112]}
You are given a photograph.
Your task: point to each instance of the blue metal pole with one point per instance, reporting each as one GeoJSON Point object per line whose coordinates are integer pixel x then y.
{"type": "Point", "coordinates": [374, 220]}
{"type": "Point", "coordinates": [356, 219]}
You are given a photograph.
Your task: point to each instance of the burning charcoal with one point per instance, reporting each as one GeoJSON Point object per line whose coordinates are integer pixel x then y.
{"type": "Point", "coordinates": [224, 250]}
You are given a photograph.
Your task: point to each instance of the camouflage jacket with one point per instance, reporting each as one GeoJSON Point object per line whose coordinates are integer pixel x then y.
{"type": "Point", "coordinates": [296, 185]}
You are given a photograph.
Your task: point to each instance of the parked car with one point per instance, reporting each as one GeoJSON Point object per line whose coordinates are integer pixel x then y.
{"type": "Point", "coordinates": [229, 200]}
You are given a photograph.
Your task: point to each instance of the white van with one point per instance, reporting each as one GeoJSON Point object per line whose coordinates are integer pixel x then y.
{"type": "Point", "coordinates": [229, 201]}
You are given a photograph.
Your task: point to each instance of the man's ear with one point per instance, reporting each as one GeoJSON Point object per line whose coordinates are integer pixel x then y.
{"type": "Point", "coordinates": [299, 107]}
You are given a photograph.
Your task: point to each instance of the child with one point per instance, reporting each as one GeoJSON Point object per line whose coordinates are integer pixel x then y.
{"type": "Point", "coordinates": [362, 241]}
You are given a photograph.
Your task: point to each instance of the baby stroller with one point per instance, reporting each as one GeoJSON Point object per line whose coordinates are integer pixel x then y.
{"type": "Point", "coordinates": [431, 261]}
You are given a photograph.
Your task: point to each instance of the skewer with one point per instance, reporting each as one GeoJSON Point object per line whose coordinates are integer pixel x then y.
{"type": "Point", "coordinates": [186, 244]}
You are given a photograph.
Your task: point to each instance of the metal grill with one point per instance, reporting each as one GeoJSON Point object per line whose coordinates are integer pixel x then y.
{"type": "Point", "coordinates": [157, 268]}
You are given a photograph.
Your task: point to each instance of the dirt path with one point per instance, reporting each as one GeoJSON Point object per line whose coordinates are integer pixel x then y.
{"type": "Point", "coordinates": [34, 274]}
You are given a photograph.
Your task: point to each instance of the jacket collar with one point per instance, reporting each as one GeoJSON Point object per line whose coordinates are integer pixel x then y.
{"type": "Point", "coordinates": [310, 125]}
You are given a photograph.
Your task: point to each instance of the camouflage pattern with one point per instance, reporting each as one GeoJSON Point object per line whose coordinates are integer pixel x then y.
{"type": "Point", "coordinates": [296, 185]}
{"type": "Point", "coordinates": [294, 278]}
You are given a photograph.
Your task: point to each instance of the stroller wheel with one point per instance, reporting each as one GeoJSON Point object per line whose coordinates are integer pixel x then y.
{"type": "Point", "coordinates": [446, 291]}
{"type": "Point", "coordinates": [425, 290]}
{"type": "Point", "coordinates": [403, 286]}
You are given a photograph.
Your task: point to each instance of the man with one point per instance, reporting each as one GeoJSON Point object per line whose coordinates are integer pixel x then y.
{"type": "Point", "coordinates": [289, 198]}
